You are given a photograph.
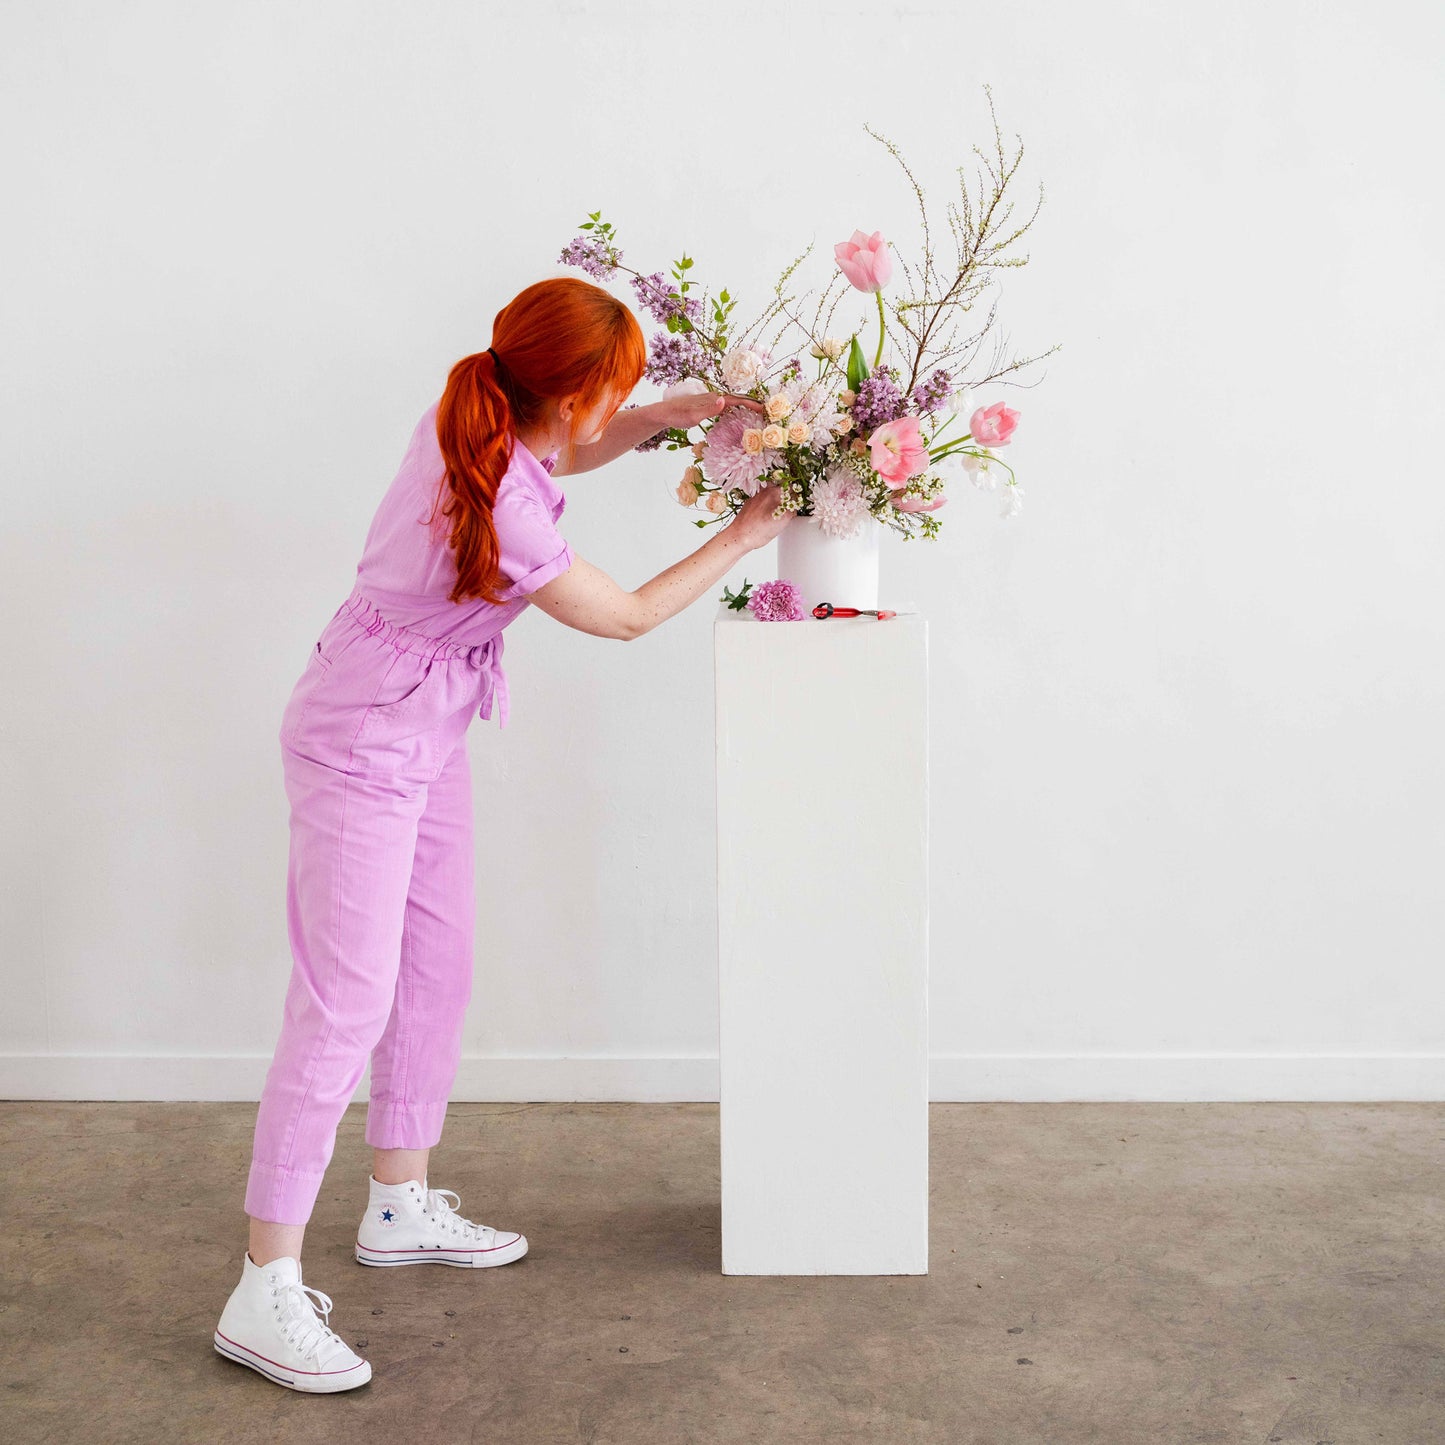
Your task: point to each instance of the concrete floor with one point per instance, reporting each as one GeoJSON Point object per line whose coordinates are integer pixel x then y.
{"type": "Point", "coordinates": [1120, 1273]}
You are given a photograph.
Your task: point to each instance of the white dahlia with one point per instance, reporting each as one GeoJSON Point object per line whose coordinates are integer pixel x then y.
{"type": "Point", "coordinates": [839, 504]}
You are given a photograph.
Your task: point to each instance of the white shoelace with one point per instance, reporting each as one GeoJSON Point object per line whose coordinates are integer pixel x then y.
{"type": "Point", "coordinates": [299, 1325]}
{"type": "Point", "coordinates": [445, 1216]}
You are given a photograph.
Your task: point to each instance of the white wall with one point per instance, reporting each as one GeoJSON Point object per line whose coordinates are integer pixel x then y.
{"type": "Point", "coordinates": [1186, 712]}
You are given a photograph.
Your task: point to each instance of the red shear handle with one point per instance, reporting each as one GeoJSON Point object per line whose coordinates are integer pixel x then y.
{"type": "Point", "coordinates": [826, 609]}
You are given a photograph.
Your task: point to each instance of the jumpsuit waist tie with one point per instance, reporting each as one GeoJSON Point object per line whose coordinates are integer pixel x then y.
{"type": "Point", "coordinates": [488, 656]}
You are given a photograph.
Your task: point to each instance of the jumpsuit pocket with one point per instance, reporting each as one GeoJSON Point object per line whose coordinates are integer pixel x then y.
{"type": "Point", "coordinates": [398, 732]}
{"type": "Point", "coordinates": [303, 694]}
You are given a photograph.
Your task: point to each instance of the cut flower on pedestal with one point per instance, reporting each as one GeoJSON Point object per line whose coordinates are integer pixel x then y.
{"type": "Point", "coordinates": [778, 601]}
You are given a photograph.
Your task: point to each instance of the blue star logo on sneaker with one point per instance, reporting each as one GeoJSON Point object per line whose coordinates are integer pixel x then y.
{"type": "Point", "coordinates": [387, 1217]}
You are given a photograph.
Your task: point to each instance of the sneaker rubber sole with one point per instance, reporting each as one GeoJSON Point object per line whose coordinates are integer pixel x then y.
{"type": "Point", "coordinates": [480, 1258]}
{"type": "Point", "coordinates": [309, 1382]}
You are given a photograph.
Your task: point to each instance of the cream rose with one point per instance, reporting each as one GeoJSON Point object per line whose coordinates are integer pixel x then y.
{"type": "Point", "coordinates": [752, 441]}
{"type": "Point", "coordinates": [779, 405]}
{"type": "Point", "coordinates": [847, 398]}
{"type": "Point", "coordinates": [843, 425]}
{"type": "Point", "coordinates": [715, 502]}
{"type": "Point", "coordinates": [799, 432]}
{"type": "Point", "coordinates": [741, 369]}
{"type": "Point", "coordinates": [774, 436]}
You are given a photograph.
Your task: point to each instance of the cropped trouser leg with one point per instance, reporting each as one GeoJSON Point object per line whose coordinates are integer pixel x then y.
{"type": "Point", "coordinates": [353, 844]}
{"type": "Point", "coordinates": [415, 1063]}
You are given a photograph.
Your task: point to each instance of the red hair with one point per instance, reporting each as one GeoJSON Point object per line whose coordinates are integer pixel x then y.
{"type": "Point", "coordinates": [559, 337]}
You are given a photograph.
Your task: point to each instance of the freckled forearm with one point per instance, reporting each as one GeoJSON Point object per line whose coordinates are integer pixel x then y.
{"type": "Point", "coordinates": [684, 582]}
{"type": "Point", "coordinates": [624, 431]}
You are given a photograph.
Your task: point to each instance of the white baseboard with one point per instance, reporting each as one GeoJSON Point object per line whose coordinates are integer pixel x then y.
{"type": "Point", "coordinates": [954, 1078]}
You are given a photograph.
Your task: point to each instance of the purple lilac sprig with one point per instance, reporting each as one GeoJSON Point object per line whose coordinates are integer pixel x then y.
{"type": "Point", "coordinates": [674, 356]}
{"type": "Point", "coordinates": [596, 257]}
{"type": "Point", "coordinates": [932, 391]}
{"type": "Point", "coordinates": [778, 601]}
{"type": "Point", "coordinates": [879, 400]}
{"type": "Point", "coordinates": [654, 293]}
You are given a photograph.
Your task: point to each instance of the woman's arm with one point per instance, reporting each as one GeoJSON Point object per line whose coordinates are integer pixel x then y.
{"type": "Point", "coordinates": [628, 427]}
{"type": "Point", "coordinates": [635, 424]}
{"type": "Point", "coordinates": [586, 598]}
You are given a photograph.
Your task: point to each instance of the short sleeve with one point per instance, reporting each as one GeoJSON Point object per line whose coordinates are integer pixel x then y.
{"type": "Point", "coordinates": [533, 552]}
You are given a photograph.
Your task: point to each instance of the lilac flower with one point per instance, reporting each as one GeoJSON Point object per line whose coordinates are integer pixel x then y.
{"type": "Point", "coordinates": [655, 293]}
{"type": "Point", "coordinates": [932, 391]}
{"type": "Point", "coordinates": [878, 400]}
{"type": "Point", "coordinates": [778, 601]}
{"type": "Point", "coordinates": [596, 258]}
{"type": "Point", "coordinates": [673, 357]}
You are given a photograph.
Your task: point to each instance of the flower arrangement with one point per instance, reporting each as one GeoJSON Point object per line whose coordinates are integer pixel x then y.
{"type": "Point", "coordinates": [855, 441]}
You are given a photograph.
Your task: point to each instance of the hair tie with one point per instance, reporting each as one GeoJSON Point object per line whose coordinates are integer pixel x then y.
{"type": "Point", "coordinates": [497, 359]}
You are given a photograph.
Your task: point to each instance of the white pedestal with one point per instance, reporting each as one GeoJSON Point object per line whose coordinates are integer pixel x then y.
{"type": "Point", "coordinates": [822, 815]}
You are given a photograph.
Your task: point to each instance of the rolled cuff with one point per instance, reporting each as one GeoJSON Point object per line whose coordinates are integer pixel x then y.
{"type": "Point", "coordinates": [540, 576]}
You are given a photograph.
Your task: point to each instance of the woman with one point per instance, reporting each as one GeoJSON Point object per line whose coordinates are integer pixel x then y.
{"type": "Point", "coordinates": [380, 905]}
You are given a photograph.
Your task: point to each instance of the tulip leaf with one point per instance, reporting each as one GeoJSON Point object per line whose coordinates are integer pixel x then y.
{"type": "Point", "coordinates": [857, 366]}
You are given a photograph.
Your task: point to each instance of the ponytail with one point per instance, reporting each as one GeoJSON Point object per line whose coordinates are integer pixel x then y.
{"type": "Point", "coordinates": [559, 337]}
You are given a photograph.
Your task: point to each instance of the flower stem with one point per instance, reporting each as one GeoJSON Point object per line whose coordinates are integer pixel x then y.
{"type": "Point", "coordinates": [882, 328]}
{"type": "Point", "coordinates": [950, 447]}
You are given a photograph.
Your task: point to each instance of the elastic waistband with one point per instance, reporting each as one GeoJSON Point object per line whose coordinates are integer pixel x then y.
{"type": "Point", "coordinates": [364, 612]}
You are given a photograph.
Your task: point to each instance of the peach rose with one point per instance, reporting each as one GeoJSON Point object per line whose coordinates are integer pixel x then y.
{"type": "Point", "coordinates": [715, 502]}
{"type": "Point", "coordinates": [799, 432]}
{"type": "Point", "coordinates": [778, 406]}
{"type": "Point", "coordinates": [774, 436]}
{"type": "Point", "coordinates": [689, 486]}
{"type": "Point", "coordinates": [752, 441]}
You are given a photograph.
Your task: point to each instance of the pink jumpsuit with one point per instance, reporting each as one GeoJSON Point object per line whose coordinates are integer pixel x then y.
{"type": "Point", "coordinates": [379, 890]}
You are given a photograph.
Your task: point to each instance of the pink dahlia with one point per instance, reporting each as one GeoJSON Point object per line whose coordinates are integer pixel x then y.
{"type": "Point", "coordinates": [778, 601]}
{"type": "Point", "coordinates": [727, 462]}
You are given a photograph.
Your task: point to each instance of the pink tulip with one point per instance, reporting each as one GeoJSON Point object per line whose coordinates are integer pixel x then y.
{"type": "Point", "coordinates": [865, 260]}
{"type": "Point", "coordinates": [917, 504]}
{"type": "Point", "coordinates": [992, 426]}
{"type": "Point", "coordinates": [897, 450]}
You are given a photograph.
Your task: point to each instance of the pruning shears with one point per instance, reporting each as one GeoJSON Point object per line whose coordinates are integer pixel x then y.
{"type": "Point", "coordinates": [826, 609]}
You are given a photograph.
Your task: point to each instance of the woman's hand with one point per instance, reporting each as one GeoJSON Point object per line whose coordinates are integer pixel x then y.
{"type": "Point", "coordinates": [687, 410]}
{"type": "Point", "coordinates": [755, 524]}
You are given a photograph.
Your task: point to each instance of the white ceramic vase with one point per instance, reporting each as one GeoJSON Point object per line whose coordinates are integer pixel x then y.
{"type": "Point", "coordinates": [843, 571]}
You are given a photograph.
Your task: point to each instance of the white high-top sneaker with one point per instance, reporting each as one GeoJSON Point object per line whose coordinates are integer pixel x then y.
{"type": "Point", "coordinates": [270, 1324]}
{"type": "Point", "coordinates": [411, 1224]}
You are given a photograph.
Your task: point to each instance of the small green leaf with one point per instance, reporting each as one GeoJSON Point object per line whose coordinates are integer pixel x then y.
{"type": "Point", "coordinates": [857, 366]}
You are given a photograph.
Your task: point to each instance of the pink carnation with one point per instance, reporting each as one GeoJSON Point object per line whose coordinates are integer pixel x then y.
{"type": "Point", "coordinates": [778, 601]}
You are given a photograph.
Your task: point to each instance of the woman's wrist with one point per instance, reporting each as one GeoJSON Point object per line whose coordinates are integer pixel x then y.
{"type": "Point", "coordinates": [730, 539]}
